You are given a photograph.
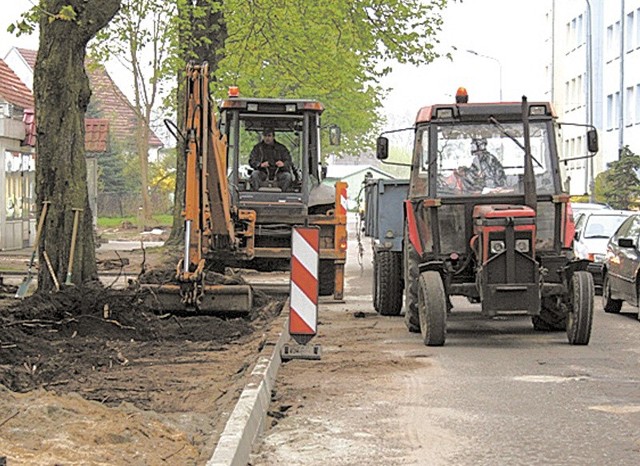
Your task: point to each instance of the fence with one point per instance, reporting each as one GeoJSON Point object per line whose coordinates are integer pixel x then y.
{"type": "Point", "coordinates": [127, 204]}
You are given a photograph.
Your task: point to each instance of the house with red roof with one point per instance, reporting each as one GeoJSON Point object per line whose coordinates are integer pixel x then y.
{"type": "Point", "coordinates": [113, 120]}
{"type": "Point", "coordinates": [17, 160]}
{"type": "Point", "coordinates": [107, 100]}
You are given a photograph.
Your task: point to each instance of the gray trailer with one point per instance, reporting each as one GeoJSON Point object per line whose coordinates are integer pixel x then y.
{"type": "Point", "coordinates": [384, 224]}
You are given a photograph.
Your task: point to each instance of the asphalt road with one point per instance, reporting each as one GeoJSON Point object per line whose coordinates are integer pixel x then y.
{"type": "Point", "coordinates": [498, 393]}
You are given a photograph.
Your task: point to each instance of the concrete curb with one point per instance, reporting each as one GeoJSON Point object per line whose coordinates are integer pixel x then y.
{"type": "Point", "coordinates": [248, 418]}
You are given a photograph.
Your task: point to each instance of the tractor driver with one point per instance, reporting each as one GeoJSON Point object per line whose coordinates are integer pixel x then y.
{"type": "Point", "coordinates": [485, 171]}
{"type": "Point", "coordinates": [270, 160]}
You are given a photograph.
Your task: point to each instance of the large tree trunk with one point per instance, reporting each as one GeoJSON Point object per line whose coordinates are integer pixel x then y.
{"type": "Point", "coordinates": [212, 28]}
{"type": "Point", "coordinates": [61, 90]}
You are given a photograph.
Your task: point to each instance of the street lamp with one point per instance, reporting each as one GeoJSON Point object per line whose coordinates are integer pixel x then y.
{"type": "Point", "coordinates": [589, 176]}
{"type": "Point", "coordinates": [473, 52]}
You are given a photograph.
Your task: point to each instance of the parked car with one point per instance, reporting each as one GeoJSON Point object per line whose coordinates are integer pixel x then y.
{"type": "Point", "coordinates": [579, 207]}
{"type": "Point", "coordinates": [593, 230]}
{"type": "Point", "coordinates": [621, 266]}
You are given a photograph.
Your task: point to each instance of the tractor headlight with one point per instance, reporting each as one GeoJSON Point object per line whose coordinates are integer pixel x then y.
{"type": "Point", "coordinates": [523, 245]}
{"type": "Point", "coordinates": [496, 247]}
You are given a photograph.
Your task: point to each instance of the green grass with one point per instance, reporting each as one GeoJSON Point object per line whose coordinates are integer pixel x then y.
{"type": "Point", "coordinates": [116, 222]}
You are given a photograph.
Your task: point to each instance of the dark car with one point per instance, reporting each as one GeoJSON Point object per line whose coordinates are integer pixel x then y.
{"type": "Point", "coordinates": [621, 281]}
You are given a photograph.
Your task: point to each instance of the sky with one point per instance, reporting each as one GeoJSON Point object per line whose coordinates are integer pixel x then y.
{"type": "Point", "coordinates": [511, 32]}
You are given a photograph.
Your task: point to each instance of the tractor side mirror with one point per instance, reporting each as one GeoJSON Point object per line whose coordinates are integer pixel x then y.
{"type": "Point", "coordinates": [592, 141]}
{"type": "Point", "coordinates": [334, 135]}
{"type": "Point", "coordinates": [625, 243]}
{"type": "Point", "coordinates": [382, 148]}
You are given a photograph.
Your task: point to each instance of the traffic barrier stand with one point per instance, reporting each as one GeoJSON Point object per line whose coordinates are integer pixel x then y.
{"type": "Point", "coordinates": [303, 307]}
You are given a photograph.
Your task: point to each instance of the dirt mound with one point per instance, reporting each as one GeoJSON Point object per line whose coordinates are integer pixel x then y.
{"type": "Point", "coordinates": [48, 338]}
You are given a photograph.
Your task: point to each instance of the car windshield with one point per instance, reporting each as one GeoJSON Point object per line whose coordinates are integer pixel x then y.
{"type": "Point", "coordinates": [602, 226]}
{"type": "Point", "coordinates": [484, 158]}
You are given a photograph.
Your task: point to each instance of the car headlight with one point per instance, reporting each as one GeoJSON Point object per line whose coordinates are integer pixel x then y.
{"type": "Point", "coordinates": [496, 247]}
{"type": "Point", "coordinates": [599, 257]}
{"type": "Point", "coordinates": [523, 245]}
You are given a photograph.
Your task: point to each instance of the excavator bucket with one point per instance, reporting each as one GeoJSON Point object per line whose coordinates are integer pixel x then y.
{"type": "Point", "coordinates": [214, 299]}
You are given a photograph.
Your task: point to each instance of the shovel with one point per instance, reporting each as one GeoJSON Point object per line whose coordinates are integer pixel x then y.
{"type": "Point", "coordinates": [24, 286]}
{"type": "Point", "coordinates": [74, 234]}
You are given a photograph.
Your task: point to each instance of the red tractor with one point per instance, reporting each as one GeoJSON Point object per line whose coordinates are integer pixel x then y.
{"type": "Point", "coordinates": [486, 217]}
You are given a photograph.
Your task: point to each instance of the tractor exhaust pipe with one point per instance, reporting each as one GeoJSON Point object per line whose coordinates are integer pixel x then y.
{"type": "Point", "coordinates": [530, 195]}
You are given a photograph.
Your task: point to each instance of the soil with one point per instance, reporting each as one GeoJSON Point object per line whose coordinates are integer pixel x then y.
{"type": "Point", "coordinates": [90, 375]}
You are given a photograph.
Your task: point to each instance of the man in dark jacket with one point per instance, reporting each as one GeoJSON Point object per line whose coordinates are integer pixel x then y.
{"type": "Point", "coordinates": [485, 171]}
{"type": "Point", "coordinates": [270, 160]}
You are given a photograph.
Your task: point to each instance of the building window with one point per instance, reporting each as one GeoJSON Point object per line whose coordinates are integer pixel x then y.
{"type": "Point", "coordinates": [616, 105]}
{"type": "Point", "coordinates": [610, 48]}
{"type": "Point", "coordinates": [581, 91]}
{"type": "Point", "coordinates": [637, 28]}
{"type": "Point", "coordinates": [610, 110]}
{"type": "Point", "coordinates": [579, 33]}
{"type": "Point", "coordinates": [637, 109]}
{"type": "Point", "coordinates": [629, 33]}
{"type": "Point", "coordinates": [628, 111]}
{"type": "Point", "coordinates": [20, 184]}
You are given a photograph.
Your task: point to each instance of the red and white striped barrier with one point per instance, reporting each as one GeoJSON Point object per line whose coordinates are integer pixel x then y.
{"type": "Point", "coordinates": [341, 189]}
{"type": "Point", "coordinates": [303, 311]}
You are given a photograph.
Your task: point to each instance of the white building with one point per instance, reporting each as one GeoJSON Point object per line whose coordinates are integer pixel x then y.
{"type": "Point", "coordinates": [594, 76]}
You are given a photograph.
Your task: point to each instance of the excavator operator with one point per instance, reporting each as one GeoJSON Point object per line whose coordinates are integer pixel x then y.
{"type": "Point", "coordinates": [270, 160]}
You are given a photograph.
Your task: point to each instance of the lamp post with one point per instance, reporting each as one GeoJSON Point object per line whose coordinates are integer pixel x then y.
{"type": "Point", "coordinates": [589, 176]}
{"type": "Point", "coordinates": [473, 52]}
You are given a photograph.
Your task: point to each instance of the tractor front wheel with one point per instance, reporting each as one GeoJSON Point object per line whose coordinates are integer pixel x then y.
{"type": "Point", "coordinates": [432, 309]}
{"type": "Point", "coordinates": [580, 318]}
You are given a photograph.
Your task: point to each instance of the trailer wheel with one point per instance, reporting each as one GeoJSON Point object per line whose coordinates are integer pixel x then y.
{"type": "Point", "coordinates": [580, 316]}
{"type": "Point", "coordinates": [553, 316]}
{"type": "Point", "coordinates": [411, 285]}
{"type": "Point", "coordinates": [432, 309]}
{"type": "Point", "coordinates": [388, 287]}
{"type": "Point", "coordinates": [326, 277]}
{"type": "Point", "coordinates": [611, 306]}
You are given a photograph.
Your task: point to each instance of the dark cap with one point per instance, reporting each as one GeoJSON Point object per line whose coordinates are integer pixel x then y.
{"type": "Point", "coordinates": [267, 131]}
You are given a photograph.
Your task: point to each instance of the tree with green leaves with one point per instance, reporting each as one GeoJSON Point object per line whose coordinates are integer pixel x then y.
{"type": "Point", "coordinates": [335, 52]}
{"type": "Point", "coordinates": [62, 94]}
{"type": "Point", "coordinates": [619, 185]}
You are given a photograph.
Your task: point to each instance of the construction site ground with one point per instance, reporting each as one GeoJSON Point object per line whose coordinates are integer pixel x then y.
{"type": "Point", "coordinates": [90, 376]}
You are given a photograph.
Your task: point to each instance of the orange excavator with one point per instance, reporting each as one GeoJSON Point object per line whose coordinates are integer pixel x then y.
{"type": "Point", "coordinates": [230, 222]}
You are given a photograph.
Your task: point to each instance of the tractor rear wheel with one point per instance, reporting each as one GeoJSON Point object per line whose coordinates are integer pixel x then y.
{"type": "Point", "coordinates": [432, 308]}
{"type": "Point", "coordinates": [580, 318]}
{"type": "Point", "coordinates": [411, 285]}
{"type": "Point", "coordinates": [388, 285]}
{"type": "Point", "coordinates": [553, 316]}
{"type": "Point", "coordinates": [611, 306]}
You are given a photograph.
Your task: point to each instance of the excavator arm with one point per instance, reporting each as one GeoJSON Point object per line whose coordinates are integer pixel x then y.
{"type": "Point", "coordinates": [207, 215]}
{"type": "Point", "coordinates": [213, 228]}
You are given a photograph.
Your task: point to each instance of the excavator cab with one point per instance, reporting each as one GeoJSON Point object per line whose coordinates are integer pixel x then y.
{"type": "Point", "coordinates": [297, 125]}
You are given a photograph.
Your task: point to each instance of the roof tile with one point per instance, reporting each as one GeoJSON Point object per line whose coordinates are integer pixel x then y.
{"type": "Point", "coordinates": [12, 89]}
{"type": "Point", "coordinates": [96, 134]}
